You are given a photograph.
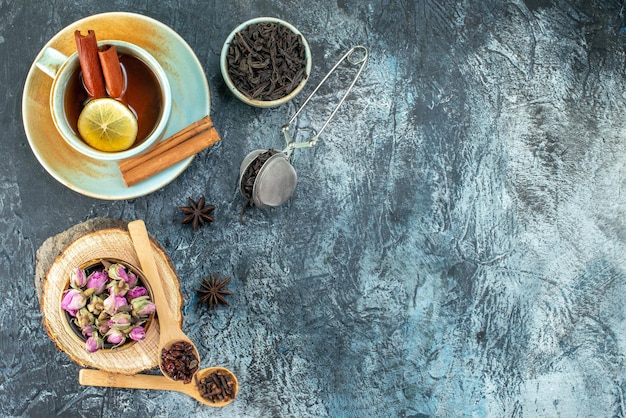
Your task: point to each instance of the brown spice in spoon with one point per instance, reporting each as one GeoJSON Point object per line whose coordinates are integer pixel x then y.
{"type": "Point", "coordinates": [218, 386]}
{"type": "Point", "coordinates": [179, 361]}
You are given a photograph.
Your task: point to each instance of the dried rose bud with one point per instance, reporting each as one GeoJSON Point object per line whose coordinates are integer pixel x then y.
{"type": "Point", "coordinates": [120, 321]}
{"type": "Point", "coordinates": [98, 280]}
{"type": "Point", "coordinates": [119, 287]}
{"type": "Point", "coordinates": [78, 278]}
{"type": "Point", "coordinates": [88, 330]}
{"type": "Point", "coordinates": [103, 325]}
{"type": "Point", "coordinates": [73, 300]}
{"type": "Point", "coordinates": [84, 318]}
{"type": "Point", "coordinates": [95, 305]}
{"type": "Point", "coordinates": [93, 343]}
{"type": "Point", "coordinates": [136, 292]}
{"type": "Point", "coordinates": [137, 333]}
{"type": "Point", "coordinates": [131, 280]}
{"type": "Point", "coordinates": [142, 306]}
{"type": "Point", "coordinates": [116, 337]}
{"type": "Point", "coordinates": [118, 272]}
{"type": "Point", "coordinates": [115, 303]}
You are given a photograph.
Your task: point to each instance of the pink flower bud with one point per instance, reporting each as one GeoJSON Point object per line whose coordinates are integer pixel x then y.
{"type": "Point", "coordinates": [137, 333]}
{"type": "Point", "coordinates": [119, 272]}
{"type": "Point", "coordinates": [120, 321]}
{"type": "Point", "coordinates": [98, 280]}
{"type": "Point", "coordinates": [88, 330]}
{"type": "Point", "coordinates": [142, 306]}
{"type": "Point", "coordinates": [73, 299]}
{"type": "Point", "coordinates": [115, 303]}
{"type": "Point", "coordinates": [93, 343]}
{"type": "Point", "coordinates": [103, 326]}
{"type": "Point", "coordinates": [136, 292]}
{"type": "Point", "coordinates": [116, 337]}
{"type": "Point", "coordinates": [131, 280]}
{"type": "Point", "coordinates": [84, 318]}
{"type": "Point", "coordinates": [119, 287]}
{"type": "Point", "coordinates": [95, 305]}
{"type": "Point", "coordinates": [78, 278]}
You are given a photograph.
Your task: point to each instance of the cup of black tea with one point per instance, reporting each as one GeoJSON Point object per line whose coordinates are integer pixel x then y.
{"type": "Point", "coordinates": [265, 62]}
{"type": "Point", "coordinates": [147, 93]}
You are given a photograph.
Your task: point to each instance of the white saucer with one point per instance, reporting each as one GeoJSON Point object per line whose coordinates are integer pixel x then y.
{"type": "Point", "coordinates": [102, 179]}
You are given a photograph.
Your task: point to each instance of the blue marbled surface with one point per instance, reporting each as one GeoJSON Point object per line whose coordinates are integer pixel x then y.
{"type": "Point", "coordinates": [456, 245]}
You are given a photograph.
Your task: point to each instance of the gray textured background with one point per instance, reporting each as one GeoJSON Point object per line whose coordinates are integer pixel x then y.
{"type": "Point", "coordinates": [456, 245]}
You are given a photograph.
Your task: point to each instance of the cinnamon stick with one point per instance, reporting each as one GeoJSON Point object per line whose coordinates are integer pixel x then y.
{"type": "Point", "coordinates": [184, 134]}
{"type": "Point", "coordinates": [112, 71]}
{"type": "Point", "coordinates": [87, 47]}
{"type": "Point", "coordinates": [183, 144]}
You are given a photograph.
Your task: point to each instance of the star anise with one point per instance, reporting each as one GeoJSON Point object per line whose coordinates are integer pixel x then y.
{"type": "Point", "coordinates": [197, 213]}
{"type": "Point", "coordinates": [212, 291]}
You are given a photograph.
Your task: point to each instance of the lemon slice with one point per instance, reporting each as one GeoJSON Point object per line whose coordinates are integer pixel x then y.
{"type": "Point", "coordinates": [107, 125]}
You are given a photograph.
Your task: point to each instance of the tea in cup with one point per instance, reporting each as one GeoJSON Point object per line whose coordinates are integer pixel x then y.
{"type": "Point", "coordinates": [146, 93]}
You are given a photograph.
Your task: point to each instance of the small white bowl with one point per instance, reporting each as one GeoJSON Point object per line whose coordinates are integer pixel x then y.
{"type": "Point", "coordinates": [240, 95]}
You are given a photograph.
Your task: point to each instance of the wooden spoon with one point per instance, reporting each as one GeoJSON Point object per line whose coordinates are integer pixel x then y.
{"type": "Point", "coordinates": [169, 329]}
{"type": "Point", "coordinates": [90, 377]}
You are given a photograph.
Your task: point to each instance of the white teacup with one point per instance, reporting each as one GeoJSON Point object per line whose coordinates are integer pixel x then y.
{"type": "Point", "coordinates": [62, 68]}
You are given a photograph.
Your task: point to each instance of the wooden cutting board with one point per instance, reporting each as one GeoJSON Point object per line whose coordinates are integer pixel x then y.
{"type": "Point", "coordinates": [89, 244]}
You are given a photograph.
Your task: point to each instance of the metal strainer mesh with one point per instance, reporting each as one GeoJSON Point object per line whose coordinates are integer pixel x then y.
{"type": "Point", "coordinates": [266, 177]}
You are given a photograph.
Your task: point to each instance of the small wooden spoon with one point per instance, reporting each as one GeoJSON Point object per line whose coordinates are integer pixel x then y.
{"type": "Point", "coordinates": [169, 329]}
{"type": "Point", "coordinates": [90, 377]}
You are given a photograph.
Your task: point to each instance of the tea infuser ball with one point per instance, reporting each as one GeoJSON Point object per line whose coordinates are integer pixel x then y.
{"type": "Point", "coordinates": [275, 180]}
